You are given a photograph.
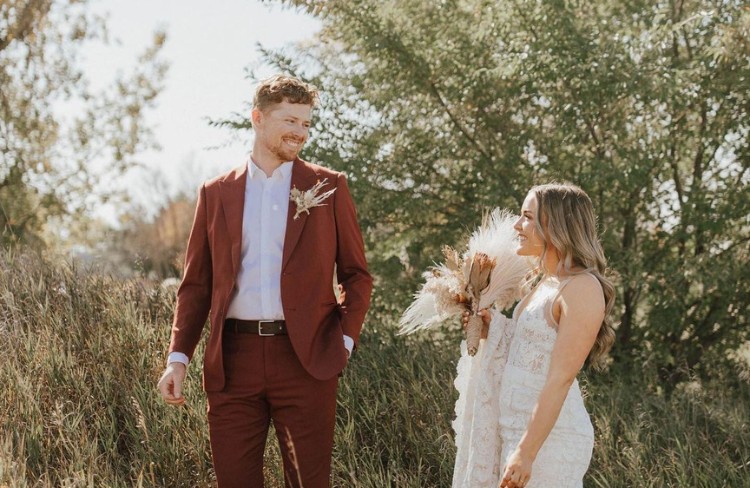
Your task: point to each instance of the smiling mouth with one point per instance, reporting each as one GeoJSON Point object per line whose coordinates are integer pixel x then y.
{"type": "Point", "coordinates": [293, 142]}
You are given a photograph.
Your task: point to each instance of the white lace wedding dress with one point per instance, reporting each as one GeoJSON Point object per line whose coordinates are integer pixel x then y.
{"type": "Point", "coordinates": [498, 389]}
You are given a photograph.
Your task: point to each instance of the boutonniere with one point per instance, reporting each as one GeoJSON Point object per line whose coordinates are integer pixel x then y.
{"type": "Point", "coordinates": [305, 200]}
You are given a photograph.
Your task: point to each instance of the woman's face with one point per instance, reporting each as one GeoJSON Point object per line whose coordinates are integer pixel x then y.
{"type": "Point", "coordinates": [529, 241]}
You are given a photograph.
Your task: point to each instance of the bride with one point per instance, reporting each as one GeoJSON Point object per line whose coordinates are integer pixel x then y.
{"type": "Point", "coordinates": [520, 417]}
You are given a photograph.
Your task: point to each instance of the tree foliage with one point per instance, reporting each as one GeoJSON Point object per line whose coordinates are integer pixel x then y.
{"type": "Point", "coordinates": [63, 145]}
{"type": "Point", "coordinates": [438, 110]}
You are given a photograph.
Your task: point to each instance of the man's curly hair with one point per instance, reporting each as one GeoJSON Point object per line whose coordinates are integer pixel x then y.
{"type": "Point", "coordinates": [281, 88]}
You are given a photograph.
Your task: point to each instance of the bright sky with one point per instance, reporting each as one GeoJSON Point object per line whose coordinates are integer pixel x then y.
{"type": "Point", "coordinates": [209, 46]}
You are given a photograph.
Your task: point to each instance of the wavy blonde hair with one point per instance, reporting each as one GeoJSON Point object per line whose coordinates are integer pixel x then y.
{"type": "Point", "coordinates": [565, 218]}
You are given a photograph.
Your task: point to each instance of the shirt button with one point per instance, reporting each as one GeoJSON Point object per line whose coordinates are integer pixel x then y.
{"type": "Point", "coordinates": [275, 207]}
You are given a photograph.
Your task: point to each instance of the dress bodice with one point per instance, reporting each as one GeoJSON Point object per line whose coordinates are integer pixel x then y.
{"type": "Point", "coordinates": [535, 330]}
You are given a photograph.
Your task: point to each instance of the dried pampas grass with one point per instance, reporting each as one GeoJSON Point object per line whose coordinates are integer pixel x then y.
{"type": "Point", "coordinates": [488, 273]}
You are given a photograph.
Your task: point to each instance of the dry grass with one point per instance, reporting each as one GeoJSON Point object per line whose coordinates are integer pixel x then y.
{"type": "Point", "coordinates": [81, 354]}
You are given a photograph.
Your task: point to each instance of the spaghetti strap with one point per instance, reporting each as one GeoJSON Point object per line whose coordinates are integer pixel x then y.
{"type": "Point", "coordinates": [548, 315]}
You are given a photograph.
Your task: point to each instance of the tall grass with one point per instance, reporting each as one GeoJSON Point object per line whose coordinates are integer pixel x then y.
{"type": "Point", "coordinates": [80, 354]}
{"type": "Point", "coordinates": [78, 405]}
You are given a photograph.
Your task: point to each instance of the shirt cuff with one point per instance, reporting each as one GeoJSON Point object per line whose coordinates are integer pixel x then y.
{"type": "Point", "coordinates": [178, 357]}
{"type": "Point", "coordinates": [348, 344]}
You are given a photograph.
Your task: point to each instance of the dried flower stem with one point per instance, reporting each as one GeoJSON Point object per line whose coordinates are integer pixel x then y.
{"type": "Point", "coordinates": [305, 200]}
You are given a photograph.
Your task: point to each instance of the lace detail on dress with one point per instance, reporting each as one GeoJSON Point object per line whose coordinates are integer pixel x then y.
{"type": "Point", "coordinates": [477, 431]}
{"type": "Point", "coordinates": [498, 390]}
{"type": "Point", "coordinates": [532, 349]}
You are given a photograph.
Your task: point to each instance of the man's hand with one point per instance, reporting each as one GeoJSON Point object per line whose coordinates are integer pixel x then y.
{"type": "Point", "coordinates": [170, 383]}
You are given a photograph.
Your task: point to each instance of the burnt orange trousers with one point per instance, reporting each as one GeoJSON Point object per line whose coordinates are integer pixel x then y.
{"type": "Point", "coordinates": [265, 382]}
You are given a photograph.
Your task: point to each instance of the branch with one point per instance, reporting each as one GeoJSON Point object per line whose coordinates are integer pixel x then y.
{"type": "Point", "coordinates": [687, 43]}
{"type": "Point", "coordinates": [597, 144]}
{"type": "Point", "coordinates": [25, 21]}
{"type": "Point", "coordinates": [698, 160]}
{"type": "Point", "coordinates": [736, 243]}
{"type": "Point", "coordinates": [458, 123]}
{"type": "Point", "coordinates": [676, 171]}
{"type": "Point", "coordinates": [521, 11]}
{"type": "Point", "coordinates": [741, 176]}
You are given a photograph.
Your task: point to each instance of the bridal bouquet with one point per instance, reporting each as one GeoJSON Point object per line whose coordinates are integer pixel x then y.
{"type": "Point", "coordinates": [488, 272]}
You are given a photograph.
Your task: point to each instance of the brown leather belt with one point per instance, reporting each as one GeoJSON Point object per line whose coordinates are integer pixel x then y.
{"type": "Point", "coordinates": [260, 327]}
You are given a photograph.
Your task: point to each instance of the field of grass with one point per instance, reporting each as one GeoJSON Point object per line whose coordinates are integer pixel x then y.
{"type": "Point", "coordinates": [81, 353]}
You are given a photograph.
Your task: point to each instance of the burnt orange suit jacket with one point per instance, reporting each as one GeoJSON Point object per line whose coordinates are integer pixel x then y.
{"type": "Point", "coordinates": [329, 235]}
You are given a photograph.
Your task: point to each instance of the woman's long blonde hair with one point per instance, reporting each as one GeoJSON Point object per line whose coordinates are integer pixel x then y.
{"type": "Point", "coordinates": [565, 218]}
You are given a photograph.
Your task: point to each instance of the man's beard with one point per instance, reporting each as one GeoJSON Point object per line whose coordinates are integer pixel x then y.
{"type": "Point", "coordinates": [286, 153]}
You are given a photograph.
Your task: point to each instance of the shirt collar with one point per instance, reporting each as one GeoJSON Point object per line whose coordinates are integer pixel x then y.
{"type": "Point", "coordinates": [282, 172]}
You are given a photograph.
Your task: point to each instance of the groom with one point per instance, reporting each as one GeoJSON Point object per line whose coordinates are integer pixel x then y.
{"type": "Point", "coordinates": [261, 265]}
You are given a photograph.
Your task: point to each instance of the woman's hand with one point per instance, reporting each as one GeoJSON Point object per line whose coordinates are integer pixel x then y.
{"type": "Point", "coordinates": [517, 471]}
{"type": "Point", "coordinates": [486, 317]}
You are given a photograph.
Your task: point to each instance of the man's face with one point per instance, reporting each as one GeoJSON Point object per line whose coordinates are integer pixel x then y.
{"type": "Point", "coordinates": [282, 129]}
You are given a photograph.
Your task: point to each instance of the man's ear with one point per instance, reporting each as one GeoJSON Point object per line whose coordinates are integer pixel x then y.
{"type": "Point", "coordinates": [256, 116]}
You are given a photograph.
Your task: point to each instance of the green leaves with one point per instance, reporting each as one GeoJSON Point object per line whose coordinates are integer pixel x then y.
{"type": "Point", "coordinates": [63, 143]}
{"type": "Point", "coordinates": [439, 110]}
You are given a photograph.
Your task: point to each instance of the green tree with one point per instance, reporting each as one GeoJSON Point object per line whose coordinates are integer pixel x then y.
{"type": "Point", "coordinates": [438, 110]}
{"type": "Point", "coordinates": [62, 145]}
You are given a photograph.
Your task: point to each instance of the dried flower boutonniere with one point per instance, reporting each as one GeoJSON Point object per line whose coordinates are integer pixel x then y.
{"type": "Point", "coordinates": [305, 200]}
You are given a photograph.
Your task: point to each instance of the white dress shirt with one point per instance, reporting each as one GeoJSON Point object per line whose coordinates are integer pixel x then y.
{"type": "Point", "coordinates": [258, 292]}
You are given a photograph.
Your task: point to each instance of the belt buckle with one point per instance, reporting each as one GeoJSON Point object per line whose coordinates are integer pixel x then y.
{"type": "Point", "coordinates": [260, 327]}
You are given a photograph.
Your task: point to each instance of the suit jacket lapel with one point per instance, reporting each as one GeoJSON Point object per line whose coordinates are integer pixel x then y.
{"type": "Point", "coordinates": [232, 196]}
{"type": "Point", "coordinates": [303, 177]}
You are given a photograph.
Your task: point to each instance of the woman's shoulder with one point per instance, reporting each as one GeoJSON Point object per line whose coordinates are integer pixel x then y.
{"type": "Point", "coordinates": [583, 287]}
{"type": "Point", "coordinates": [582, 300]}
{"type": "Point", "coordinates": [584, 278]}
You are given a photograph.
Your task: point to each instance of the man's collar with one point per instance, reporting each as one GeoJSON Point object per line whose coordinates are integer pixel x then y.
{"type": "Point", "coordinates": [283, 171]}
